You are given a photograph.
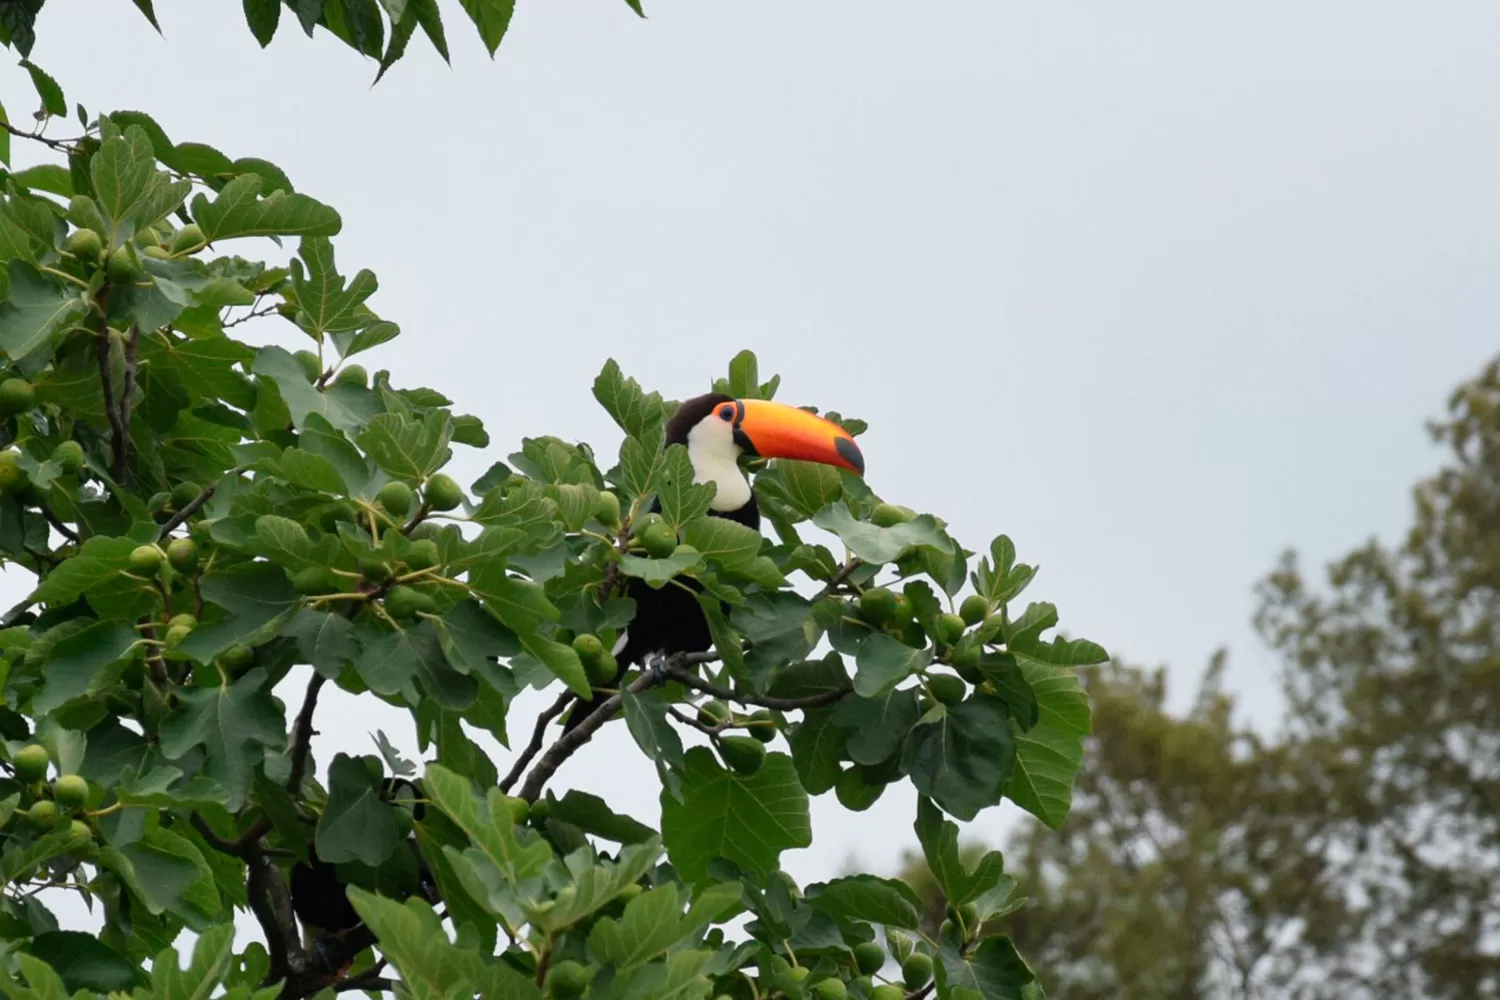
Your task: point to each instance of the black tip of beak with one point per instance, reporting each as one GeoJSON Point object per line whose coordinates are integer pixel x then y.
{"type": "Point", "coordinates": [851, 454]}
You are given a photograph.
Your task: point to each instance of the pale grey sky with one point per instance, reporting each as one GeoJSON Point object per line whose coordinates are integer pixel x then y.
{"type": "Point", "coordinates": [1157, 288]}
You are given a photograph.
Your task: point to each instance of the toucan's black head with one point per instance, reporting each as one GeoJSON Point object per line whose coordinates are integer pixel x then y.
{"type": "Point", "coordinates": [716, 423]}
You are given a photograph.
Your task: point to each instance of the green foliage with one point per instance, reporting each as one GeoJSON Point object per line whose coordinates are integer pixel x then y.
{"type": "Point", "coordinates": [204, 515]}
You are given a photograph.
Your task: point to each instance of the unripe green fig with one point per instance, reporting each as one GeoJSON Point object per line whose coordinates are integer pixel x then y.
{"type": "Point", "coordinates": [311, 580]}
{"type": "Point", "coordinates": [539, 811]}
{"type": "Point", "coordinates": [588, 646]}
{"type": "Point", "coordinates": [950, 629]}
{"type": "Point", "coordinates": [646, 520]}
{"type": "Point", "coordinates": [187, 239]}
{"type": "Point", "coordinates": [374, 569]}
{"type": "Point", "coordinates": [885, 991]}
{"type": "Point", "coordinates": [965, 661]}
{"type": "Point", "coordinates": [607, 510]}
{"type": "Point", "coordinates": [331, 516]}
{"type": "Point", "coordinates": [184, 493]}
{"type": "Point", "coordinates": [311, 366]}
{"type": "Point", "coordinates": [12, 476]}
{"type": "Point", "coordinates": [744, 754]}
{"type": "Point", "coordinates": [603, 670]}
{"type": "Point", "coordinates": [145, 559]}
{"type": "Point", "coordinates": [659, 540]}
{"type": "Point", "coordinates": [69, 456]}
{"type": "Point", "coordinates": [423, 554]}
{"type": "Point", "coordinates": [176, 635]}
{"type": "Point", "coordinates": [519, 809]}
{"type": "Point", "coordinates": [878, 606]}
{"type": "Point", "coordinates": [763, 726]}
{"type": "Point", "coordinates": [946, 688]}
{"type": "Point", "coordinates": [182, 553]}
{"type": "Point", "coordinates": [714, 712]}
{"type": "Point", "coordinates": [403, 602]}
{"type": "Point", "coordinates": [147, 236]}
{"type": "Point", "coordinates": [31, 763]}
{"type": "Point", "coordinates": [16, 396]}
{"type": "Point", "coordinates": [916, 971]}
{"type": "Point", "coordinates": [79, 830]}
{"type": "Point", "coordinates": [237, 657]}
{"type": "Point", "coordinates": [395, 497]}
{"type": "Point", "coordinates": [869, 957]}
{"type": "Point", "coordinates": [85, 244]}
{"type": "Point", "coordinates": [70, 792]}
{"type": "Point", "coordinates": [566, 980]}
{"type": "Point", "coordinates": [973, 609]}
{"type": "Point", "coordinates": [830, 989]}
{"type": "Point", "coordinates": [888, 515]}
{"type": "Point", "coordinates": [43, 813]}
{"type": "Point", "coordinates": [352, 375]}
{"type": "Point", "coordinates": [156, 253]}
{"type": "Point", "coordinates": [122, 268]}
{"type": "Point", "coordinates": [183, 620]}
{"type": "Point", "coordinates": [799, 973]}
{"type": "Point", "coordinates": [442, 493]}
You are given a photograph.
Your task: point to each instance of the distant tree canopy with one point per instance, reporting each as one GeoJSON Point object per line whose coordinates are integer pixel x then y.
{"type": "Point", "coordinates": [1355, 854]}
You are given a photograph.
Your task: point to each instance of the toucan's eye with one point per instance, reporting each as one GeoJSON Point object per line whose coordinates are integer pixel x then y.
{"type": "Point", "coordinates": [726, 413]}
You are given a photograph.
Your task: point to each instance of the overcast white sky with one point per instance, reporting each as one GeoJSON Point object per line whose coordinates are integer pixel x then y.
{"type": "Point", "coordinates": [1157, 288]}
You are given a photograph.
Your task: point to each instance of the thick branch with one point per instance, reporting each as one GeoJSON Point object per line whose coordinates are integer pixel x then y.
{"type": "Point", "coordinates": [16, 613]}
{"type": "Point", "coordinates": [127, 403]}
{"type": "Point", "coordinates": [118, 431]}
{"type": "Point", "coordinates": [58, 526]}
{"type": "Point", "coordinates": [188, 510]}
{"type": "Point", "coordinates": [272, 905]}
{"type": "Point", "coordinates": [689, 679]}
{"type": "Point", "coordinates": [537, 734]}
{"type": "Point", "coordinates": [302, 732]}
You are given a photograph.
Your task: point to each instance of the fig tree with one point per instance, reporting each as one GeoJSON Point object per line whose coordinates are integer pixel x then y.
{"type": "Point", "coordinates": [442, 493]}
{"type": "Point", "coordinates": [744, 754]}
{"type": "Point", "coordinates": [122, 268]}
{"type": "Point", "coordinates": [187, 239]}
{"type": "Point", "coordinates": [660, 540]}
{"type": "Point", "coordinates": [916, 971]}
{"type": "Point", "coordinates": [352, 375]}
{"type": "Point", "coordinates": [69, 456]}
{"type": "Point", "coordinates": [85, 244]}
{"type": "Point", "coordinates": [423, 554]}
{"type": "Point", "coordinates": [950, 628]}
{"type": "Point", "coordinates": [16, 396]}
{"type": "Point", "coordinates": [714, 712]}
{"type": "Point", "coordinates": [43, 813]}
{"type": "Point", "coordinates": [184, 493]}
{"type": "Point", "coordinates": [182, 553]}
{"type": "Point", "coordinates": [403, 602]}
{"type": "Point", "coordinates": [607, 510]}
{"type": "Point", "coordinates": [12, 476]}
{"type": "Point", "coordinates": [877, 605]}
{"type": "Point", "coordinates": [395, 497]}
{"type": "Point", "coordinates": [869, 957]}
{"type": "Point", "coordinates": [946, 688]}
{"type": "Point", "coordinates": [830, 989]}
{"type": "Point", "coordinates": [31, 763]}
{"type": "Point", "coordinates": [566, 980]}
{"type": "Point", "coordinates": [70, 792]}
{"type": "Point", "coordinates": [145, 560]}
{"type": "Point", "coordinates": [973, 609]}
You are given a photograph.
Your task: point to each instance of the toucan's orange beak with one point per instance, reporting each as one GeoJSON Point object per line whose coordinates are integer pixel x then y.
{"type": "Point", "coordinates": [775, 430]}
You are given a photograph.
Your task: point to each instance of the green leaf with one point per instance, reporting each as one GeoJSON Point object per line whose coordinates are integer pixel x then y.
{"type": "Point", "coordinates": [356, 825]}
{"type": "Point", "coordinates": [263, 16]}
{"type": "Point", "coordinates": [285, 542]}
{"type": "Point", "coordinates": [472, 638]}
{"type": "Point", "coordinates": [596, 885]}
{"type": "Point", "coordinates": [748, 820]}
{"type": "Point", "coordinates": [646, 718]}
{"type": "Point", "coordinates": [408, 449]}
{"type": "Point", "coordinates": [561, 660]}
{"type": "Point", "coordinates": [964, 758]}
{"type": "Point", "coordinates": [866, 897]}
{"type": "Point", "coordinates": [326, 302]}
{"type": "Point", "coordinates": [991, 971]}
{"type": "Point", "coordinates": [45, 983]}
{"type": "Point", "coordinates": [36, 313]}
{"type": "Point", "coordinates": [253, 595]}
{"type": "Point", "coordinates": [1049, 755]}
{"type": "Point", "coordinates": [628, 405]}
{"type": "Point", "coordinates": [235, 723]}
{"type": "Point", "coordinates": [939, 839]}
{"type": "Point", "coordinates": [818, 750]}
{"type": "Point", "coordinates": [53, 101]}
{"type": "Point", "coordinates": [517, 853]}
{"type": "Point", "coordinates": [883, 662]}
{"type": "Point", "coordinates": [728, 543]}
{"type": "Point", "coordinates": [326, 640]}
{"type": "Point", "coordinates": [681, 498]}
{"type": "Point", "coordinates": [172, 875]}
{"type": "Point", "coordinates": [876, 727]}
{"type": "Point", "coordinates": [76, 660]}
{"type": "Point", "coordinates": [641, 463]}
{"type": "Point", "coordinates": [85, 962]}
{"type": "Point", "coordinates": [520, 604]}
{"type": "Point", "coordinates": [212, 956]}
{"type": "Point", "coordinates": [807, 487]}
{"type": "Point", "coordinates": [100, 560]}
{"type": "Point", "coordinates": [492, 18]}
{"type": "Point", "coordinates": [654, 921]}
{"type": "Point", "coordinates": [414, 940]}
{"type": "Point", "coordinates": [240, 211]}
{"type": "Point", "coordinates": [659, 571]}
{"type": "Point", "coordinates": [878, 545]}
{"type": "Point", "coordinates": [592, 815]}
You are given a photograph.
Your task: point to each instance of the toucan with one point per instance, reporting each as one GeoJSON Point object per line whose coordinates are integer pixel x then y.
{"type": "Point", "coordinates": [716, 430]}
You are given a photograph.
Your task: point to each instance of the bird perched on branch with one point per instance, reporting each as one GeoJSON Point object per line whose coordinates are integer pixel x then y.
{"type": "Point", "coordinates": [717, 429]}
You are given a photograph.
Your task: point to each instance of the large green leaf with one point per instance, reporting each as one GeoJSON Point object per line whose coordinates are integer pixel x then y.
{"type": "Point", "coordinates": [76, 660]}
{"type": "Point", "coordinates": [681, 498]}
{"type": "Point", "coordinates": [212, 957]}
{"type": "Point", "coordinates": [356, 824]}
{"type": "Point", "coordinates": [992, 970]}
{"type": "Point", "coordinates": [253, 597]}
{"type": "Point", "coordinates": [236, 723]}
{"type": "Point", "coordinates": [302, 399]}
{"type": "Point", "coordinates": [240, 211]}
{"type": "Point", "coordinates": [939, 839]}
{"type": "Point", "coordinates": [1049, 755]}
{"type": "Point", "coordinates": [726, 542]}
{"type": "Point", "coordinates": [866, 897]}
{"type": "Point", "coordinates": [171, 874]}
{"type": "Point", "coordinates": [817, 750]}
{"type": "Point", "coordinates": [413, 939]}
{"type": "Point", "coordinates": [748, 820]}
{"type": "Point", "coordinates": [878, 545]}
{"type": "Point", "coordinates": [595, 886]}
{"type": "Point", "coordinates": [37, 312]}
{"type": "Point", "coordinates": [85, 962]}
{"type": "Point", "coordinates": [877, 726]}
{"type": "Point", "coordinates": [882, 662]}
{"type": "Point", "coordinates": [517, 853]}
{"type": "Point", "coordinates": [326, 640]}
{"type": "Point", "coordinates": [964, 757]}
{"type": "Point", "coordinates": [634, 410]}
{"type": "Point", "coordinates": [492, 18]}
{"type": "Point", "coordinates": [327, 303]}
{"type": "Point", "coordinates": [654, 921]}
{"type": "Point", "coordinates": [408, 449]}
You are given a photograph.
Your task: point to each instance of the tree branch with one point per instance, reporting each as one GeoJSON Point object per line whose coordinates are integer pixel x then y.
{"type": "Point", "coordinates": [101, 352]}
{"type": "Point", "coordinates": [537, 734]}
{"type": "Point", "coordinates": [58, 526]}
{"type": "Point", "coordinates": [188, 510]}
{"type": "Point", "coordinates": [16, 613]}
{"type": "Point", "coordinates": [272, 905]}
{"type": "Point", "coordinates": [127, 403]}
{"type": "Point", "coordinates": [302, 732]}
{"type": "Point", "coordinates": [837, 580]}
{"type": "Point", "coordinates": [689, 679]}
{"type": "Point", "coordinates": [569, 743]}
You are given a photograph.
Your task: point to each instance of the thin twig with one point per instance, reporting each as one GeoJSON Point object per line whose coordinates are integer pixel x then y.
{"type": "Point", "coordinates": [302, 732]}
{"type": "Point", "coordinates": [101, 352]}
{"type": "Point", "coordinates": [188, 510]}
{"type": "Point", "coordinates": [689, 679]}
{"type": "Point", "coordinates": [16, 613]}
{"type": "Point", "coordinates": [569, 743]}
{"type": "Point", "coordinates": [714, 730]}
{"type": "Point", "coordinates": [62, 529]}
{"type": "Point", "coordinates": [537, 734]}
{"type": "Point", "coordinates": [253, 314]}
{"type": "Point", "coordinates": [837, 580]}
{"type": "Point", "coordinates": [65, 145]}
{"type": "Point", "coordinates": [127, 403]}
{"type": "Point", "coordinates": [215, 841]}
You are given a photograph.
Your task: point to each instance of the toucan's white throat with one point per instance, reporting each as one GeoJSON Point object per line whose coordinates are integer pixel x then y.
{"type": "Point", "coordinates": [716, 459]}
